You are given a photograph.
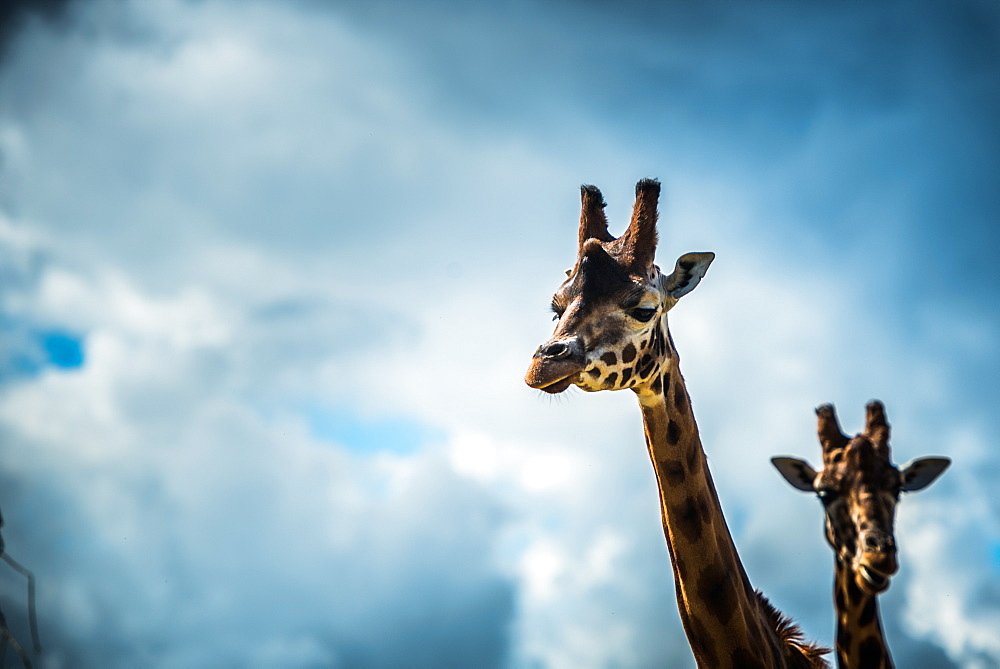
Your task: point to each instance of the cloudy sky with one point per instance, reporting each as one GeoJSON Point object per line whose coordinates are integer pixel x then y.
{"type": "Point", "coordinates": [271, 273]}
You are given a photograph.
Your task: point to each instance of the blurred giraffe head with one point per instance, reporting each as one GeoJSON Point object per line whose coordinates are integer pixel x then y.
{"type": "Point", "coordinates": [859, 488]}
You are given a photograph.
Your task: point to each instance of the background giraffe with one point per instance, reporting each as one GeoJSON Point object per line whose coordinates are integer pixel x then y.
{"type": "Point", "coordinates": [612, 334]}
{"type": "Point", "coordinates": [859, 487]}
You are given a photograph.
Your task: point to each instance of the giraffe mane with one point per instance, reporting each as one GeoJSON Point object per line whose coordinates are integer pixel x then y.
{"type": "Point", "coordinates": [799, 653]}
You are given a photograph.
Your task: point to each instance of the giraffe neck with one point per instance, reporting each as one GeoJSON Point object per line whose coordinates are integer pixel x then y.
{"type": "Point", "coordinates": [722, 615]}
{"type": "Point", "coordinates": [860, 640]}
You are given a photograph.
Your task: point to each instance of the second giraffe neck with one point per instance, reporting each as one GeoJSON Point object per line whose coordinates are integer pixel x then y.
{"type": "Point", "coordinates": [722, 615]}
{"type": "Point", "coordinates": [860, 640]}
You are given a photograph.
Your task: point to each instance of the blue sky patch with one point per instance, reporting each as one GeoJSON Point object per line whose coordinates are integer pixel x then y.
{"type": "Point", "coordinates": [367, 436]}
{"type": "Point", "coordinates": [62, 349]}
{"type": "Point", "coordinates": [27, 352]}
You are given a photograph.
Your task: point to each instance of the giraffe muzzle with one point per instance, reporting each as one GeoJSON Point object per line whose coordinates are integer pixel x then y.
{"type": "Point", "coordinates": [556, 365]}
{"type": "Point", "coordinates": [877, 564]}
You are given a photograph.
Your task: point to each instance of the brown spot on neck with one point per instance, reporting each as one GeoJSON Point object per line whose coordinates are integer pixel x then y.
{"type": "Point", "coordinates": [717, 591]}
{"type": "Point", "coordinates": [673, 432]}
{"type": "Point", "coordinates": [693, 517]}
{"type": "Point", "coordinates": [680, 398]}
{"type": "Point", "coordinates": [672, 471]}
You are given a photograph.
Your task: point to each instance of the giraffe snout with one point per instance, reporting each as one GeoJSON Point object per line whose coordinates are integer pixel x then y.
{"type": "Point", "coordinates": [877, 563]}
{"type": "Point", "coordinates": [556, 364]}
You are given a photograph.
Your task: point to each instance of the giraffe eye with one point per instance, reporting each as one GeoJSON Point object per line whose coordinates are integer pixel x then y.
{"type": "Point", "coordinates": [825, 495]}
{"type": "Point", "coordinates": [643, 314]}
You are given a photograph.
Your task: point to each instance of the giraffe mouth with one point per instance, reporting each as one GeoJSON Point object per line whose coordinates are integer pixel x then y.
{"type": "Point", "coordinates": [875, 581]}
{"type": "Point", "coordinates": [558, 386]}
{"type": "Point", "coordinates": [552, 376]}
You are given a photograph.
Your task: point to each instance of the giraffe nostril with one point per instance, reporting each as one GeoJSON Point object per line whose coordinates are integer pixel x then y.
{"type": "Point", "coordinates": [556, 349]}
{"type": "Point", "coordinates": [877, 542]}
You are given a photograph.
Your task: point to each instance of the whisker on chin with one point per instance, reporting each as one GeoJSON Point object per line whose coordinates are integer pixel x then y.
{"type": "Point", "coordinates": [558, 397]}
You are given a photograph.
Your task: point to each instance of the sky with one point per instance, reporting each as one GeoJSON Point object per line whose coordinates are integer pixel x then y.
{"type": "Point", "coordinates": [271, 274]}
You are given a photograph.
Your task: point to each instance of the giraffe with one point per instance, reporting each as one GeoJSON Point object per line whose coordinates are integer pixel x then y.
{"type": "Point", "coordinates": [611, 335]}
{"type": "Point", "coordinates": [859, 488]}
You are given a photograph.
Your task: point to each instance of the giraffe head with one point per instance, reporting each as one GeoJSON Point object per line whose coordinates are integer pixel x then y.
{"type": "Point", "coordinates": [859, 488]}
{"type": "Point", "coordinates": [612, 308]}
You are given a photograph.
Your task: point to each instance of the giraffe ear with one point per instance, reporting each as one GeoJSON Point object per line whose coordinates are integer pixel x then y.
{"type": "Point", "coordinates": [797, 472]}
{"type": "Point", "coordinates": [687, 273]}
{"type": "Point", "coordinates": [920, 473]}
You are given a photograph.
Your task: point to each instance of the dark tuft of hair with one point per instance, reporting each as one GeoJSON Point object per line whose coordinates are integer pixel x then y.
{"type": "Point", "coordinates": [595, 193]}
{"type": "Point", "coordinates": [646, 185]}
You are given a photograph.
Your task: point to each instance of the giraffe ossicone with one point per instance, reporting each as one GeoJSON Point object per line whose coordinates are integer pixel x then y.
{"type": "Point", "coordinates": [612, 334]}
{"type": "Point", "coordinates": [859, 488]}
